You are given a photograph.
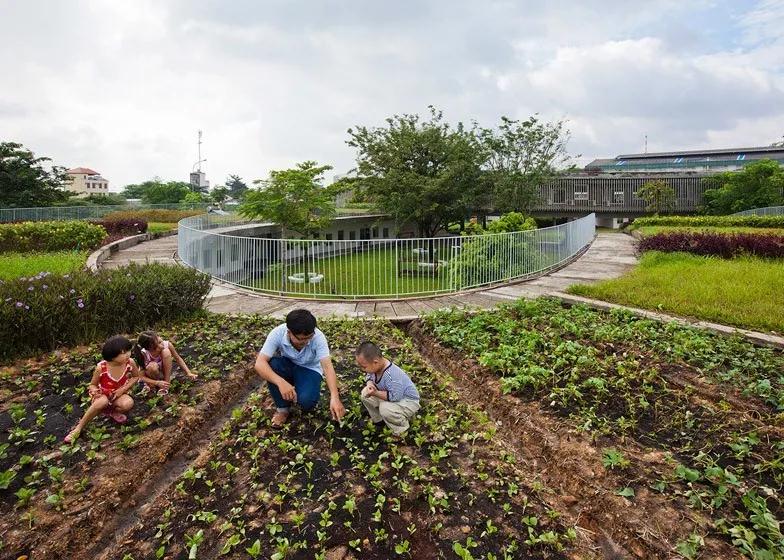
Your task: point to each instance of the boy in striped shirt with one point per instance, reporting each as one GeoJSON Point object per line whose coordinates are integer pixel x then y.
{"type": "Point", "coordinates": [389, 395]}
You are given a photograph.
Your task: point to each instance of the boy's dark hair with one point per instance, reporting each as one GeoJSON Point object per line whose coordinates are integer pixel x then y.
{"type": "Point", "coordinates": [115, 346]}
{"type": "Point", "coordinates": [368, 351]}
{"type": "Point", "coordinates": [301, 321]}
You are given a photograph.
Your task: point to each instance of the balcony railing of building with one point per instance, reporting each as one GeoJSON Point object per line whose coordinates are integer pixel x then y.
{"type": "Point", "coordinates": [374, 268]}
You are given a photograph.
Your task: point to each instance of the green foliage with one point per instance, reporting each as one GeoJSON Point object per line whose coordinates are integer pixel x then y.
{"type": "Point", "coordinates": [743, 292]}
{"type": "Point", "coordinates": [195, 198]}
{"type": "Point", "coordinates": [711, 221]}
{"type": "Point", "coordinates": [237, 187]}
{"type": "Point", "coordinates": [15, 265]}
{"type": "Point", "coordinates": [95, 199]}
{"type": "Point", "coordinates": [423, 172]}
{"type": "Point", "coordinates": [23, 180]}
{"type": "Point", "coordinates": [47, 311]}
{"type": "Point", "coordinates": [50, 236]}
{"type": "Point", "coordinates": [219, 194]}
{"type": "Point", "coordinates": [757, 185]}
{"type": "Point", "coordinates": [293, 198]}
{"type": "Point", "coordinates": [165, 193]}
{"type": "Point", "coordinates": [159, 216]}
{"type": "Point", "coordinates": [511, 221]}
{"type": "Point", "coordinates": [521, 155]}
{"type": "Point", "coordinates": [658, 195]}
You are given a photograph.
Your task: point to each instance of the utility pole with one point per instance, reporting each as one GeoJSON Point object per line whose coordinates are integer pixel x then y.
{"type": "Point", "coordinates": [646, 141]}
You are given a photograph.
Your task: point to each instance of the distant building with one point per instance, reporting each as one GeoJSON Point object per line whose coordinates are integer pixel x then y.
{"type": "Point", "coordinates": [85, 181]}
{"type": "Point", "coordinates": [199, 182]}
{"type": "Point", "coordinates": [609, 186]}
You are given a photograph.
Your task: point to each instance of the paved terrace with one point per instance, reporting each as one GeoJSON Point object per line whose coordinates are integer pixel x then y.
{"type": "Point", "coordinates": [610, 255]}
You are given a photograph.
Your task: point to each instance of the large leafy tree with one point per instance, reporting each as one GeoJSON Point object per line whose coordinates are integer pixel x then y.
{"type": "Point", "coordinates": [24, 181]}
{"type": "Point", "coordinates": [757, 185]}
{"type": "Point", "coordinates": [295, 199]}
{"type": "Point", "coordinates": [237, 187]}
{"type": "Point", "coordinates": [419, 171]}
{"type": "Point", "coordinates": [521, 155]}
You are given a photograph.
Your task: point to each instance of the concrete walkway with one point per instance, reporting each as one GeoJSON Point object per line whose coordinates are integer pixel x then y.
{"type": "Point", "coordinates": [610, 255]}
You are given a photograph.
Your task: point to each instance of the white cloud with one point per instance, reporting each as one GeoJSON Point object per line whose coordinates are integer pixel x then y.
{"type": "Point", "coordinates": [123, 87]}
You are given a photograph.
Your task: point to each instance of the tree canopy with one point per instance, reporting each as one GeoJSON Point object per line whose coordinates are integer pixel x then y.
{"type": "Point", "coordinates": [24, 182]}
{"type": "Point", "coordinates": [757, 185]}
{"type": "Point", "coordinates": [521, 155]}
{"type": "Point", "coordinates": [293, 198]}
{"type": "Point", "coordinates": [237, 187]}
{"type": "Point", "coordinates": [156, 191]}
{"type": "Point", "coordinates": [421, 171]}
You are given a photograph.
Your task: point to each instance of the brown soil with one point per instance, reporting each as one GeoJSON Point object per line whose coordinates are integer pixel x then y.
{"type": "Point", "coordinates": [570, 463]}
{"type": "Point", "coordinates": [119, 483]}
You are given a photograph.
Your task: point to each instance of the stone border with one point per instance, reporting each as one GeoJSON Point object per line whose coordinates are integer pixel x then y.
{"type": "Point", "coordinates": [101, 254]}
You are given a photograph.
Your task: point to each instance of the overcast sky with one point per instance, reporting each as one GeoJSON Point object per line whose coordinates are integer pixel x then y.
{"type": "Point", "coordinates": [122, 86]}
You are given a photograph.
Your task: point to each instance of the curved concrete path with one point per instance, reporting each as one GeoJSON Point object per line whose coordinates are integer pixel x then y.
{"type": "Point", "coordinates": [610, 255]}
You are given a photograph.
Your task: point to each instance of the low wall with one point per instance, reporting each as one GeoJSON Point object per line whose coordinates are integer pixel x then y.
{"type": "Point", "coordinates": [98, 256]}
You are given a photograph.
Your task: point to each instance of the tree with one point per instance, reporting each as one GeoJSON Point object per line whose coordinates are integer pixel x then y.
{"type": "Point", "coordinates": [23, 180]}
{"type": "Point", "coordinates": [295, 199]}
{"type": "Point", "coordinates": [172, 192]}
{"type": "Point", "coordinates": [195, 198]}
{"type": "Point", "coordinates": [521, 155]}
{"type": "Point", "coordinates": [236, 186]}
{"type": "Point", "coordinates": [423, 172]}
{"type": "Point", "coordinates": [659, 196]}
{"type": "Point", "coordinates": [219, 194]}
{"type": "Point", "coordinates": [95, 199]}
{"type": "Point", "coordinates": [757, 185]}
{"type": "Point", "coordinates": [511, 222]}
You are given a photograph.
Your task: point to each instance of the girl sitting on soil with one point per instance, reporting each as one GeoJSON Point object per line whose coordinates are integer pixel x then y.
{"type": "Point", "coordinates": [156, 355]}
{"type": "Point", "coordinates": [113, 377]}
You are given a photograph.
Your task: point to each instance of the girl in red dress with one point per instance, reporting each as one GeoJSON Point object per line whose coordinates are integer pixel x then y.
{"type": "Point", "coordinates": [112, 379]}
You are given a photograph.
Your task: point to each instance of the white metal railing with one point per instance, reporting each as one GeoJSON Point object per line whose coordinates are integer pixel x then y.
{"type": "Point", "coordinates": [58, 213]}
{"type": "Point", "coordinates": [374, 268]}
{"type": "Point", "coordinates": [768, 211]}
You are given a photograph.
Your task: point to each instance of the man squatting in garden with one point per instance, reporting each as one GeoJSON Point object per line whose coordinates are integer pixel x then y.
{"type": "Point", "coordinates": [293, 362]}
{"type": "Point", "coordinates": [389, 396]}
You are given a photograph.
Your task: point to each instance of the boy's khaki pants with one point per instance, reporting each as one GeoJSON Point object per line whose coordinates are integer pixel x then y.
{"type": "Point", "coordinates": [394, 414]}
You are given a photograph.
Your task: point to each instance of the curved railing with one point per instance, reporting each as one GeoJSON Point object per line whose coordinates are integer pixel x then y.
{"type": "Point", "coordinates": [58, 213]}
{"type": "Point", "coordinates": [372, 267]}
{"type": "Point", "coordinates": [767, 211]}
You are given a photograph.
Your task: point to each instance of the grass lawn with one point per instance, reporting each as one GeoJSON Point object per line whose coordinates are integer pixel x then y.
{"type": "Point", "coordinates": [743, 292]}
{"type": "Point", "coordinates": [652, 230]}
{"type": "Point", "coordinates": [160, 227]}
{"type": "Point", "coordinates": [16, 265]}
{"type": "Point", "coordinates": [361, 273]}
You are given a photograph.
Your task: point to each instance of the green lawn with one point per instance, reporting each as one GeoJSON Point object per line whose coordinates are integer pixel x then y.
{"type": "Point", "coordinates": [651, 230]}
{"type": "Point", "coordinates": [357, 274]}
{"type": "Point", "coordinates": [742, 292]}
{"type": "Point", "coordinates": [160, 227]}
{"type": "Point", "coordinates": [16, 265]}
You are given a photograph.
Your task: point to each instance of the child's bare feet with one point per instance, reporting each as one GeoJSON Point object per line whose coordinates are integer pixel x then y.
{"type": "Point", "coordinates": [72, 435]}
{"type": "Point", "coordinates": [116, 415]}
{"type": "Point", "coordinates": [280, 418]}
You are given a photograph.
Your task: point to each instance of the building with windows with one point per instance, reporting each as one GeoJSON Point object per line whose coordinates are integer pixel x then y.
{"type": "Point", "coordinates": [609, 187]}
{"type": "Point", "coordinates": [85, 181]}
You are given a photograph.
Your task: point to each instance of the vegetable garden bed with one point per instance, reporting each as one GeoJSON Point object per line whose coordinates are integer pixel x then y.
{"type": "Point", "coordinates": [545, 432]}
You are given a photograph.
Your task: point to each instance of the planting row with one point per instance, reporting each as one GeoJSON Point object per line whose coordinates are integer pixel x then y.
{"type": "Point", "coordinates": [712, 405]}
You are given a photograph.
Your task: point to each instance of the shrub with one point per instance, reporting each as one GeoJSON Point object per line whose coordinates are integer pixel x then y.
{"type": "Point", "coordinates": [157, 215]}
{"type": "Point", "coordinates": [126, 227]}
{"type": "Point", "coordinates": [716, 244]}
{"type": "Point", "coordinates": [50, 236]}
{"type": "Point", "coordinates": [47, 311]}
{"type": "Point", "coordinates": [712, 221]}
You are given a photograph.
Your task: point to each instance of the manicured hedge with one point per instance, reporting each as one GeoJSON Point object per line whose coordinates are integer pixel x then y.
{"type": "Point", "coordinates": [47, 311]}
{"type": "Point", "coordinates": [165, 216]}
{"type": "Point", "coordinates": [716, 244]}
{"type": "Point", "coordinates": [50, 236]}
{"type": "Point", "coordinates": [126, 227]}
{"type": "Point", "coordinates": [712, 221]}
